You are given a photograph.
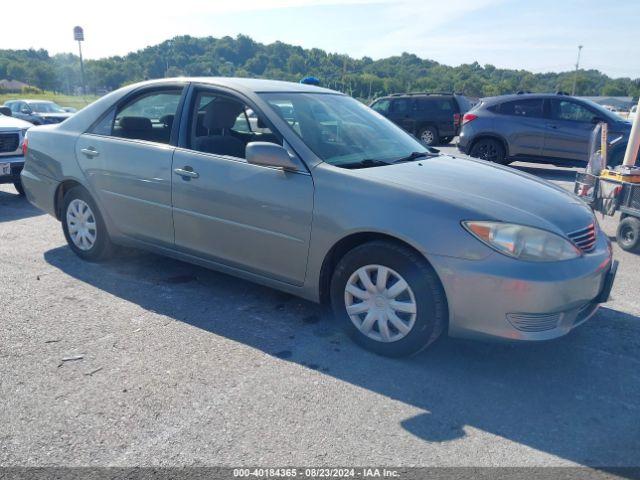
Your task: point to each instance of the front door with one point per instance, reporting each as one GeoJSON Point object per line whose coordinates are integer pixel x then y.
{"type": "Point", "coordinates": [127, 160]}
{"type": "Point", "coordinates": [250, 217]}
{"type": "Point", "coordinates": [569, 131]}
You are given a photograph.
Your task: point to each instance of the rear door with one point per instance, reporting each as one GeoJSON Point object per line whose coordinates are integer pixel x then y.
{"type": "Point", "coordinates": [126, 158]}
{"type": "Point", "coordinates": [522, 123]}
{"type": "Point", "coordinates": [569, 130]}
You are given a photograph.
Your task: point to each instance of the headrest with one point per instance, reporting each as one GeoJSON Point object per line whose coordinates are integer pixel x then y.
{"type": "Point", "coordinates": [221, 114]}
{"type": "Point", "coordinates": [167, 120]}
{"type": "Point", "coordinates": [135, 123]}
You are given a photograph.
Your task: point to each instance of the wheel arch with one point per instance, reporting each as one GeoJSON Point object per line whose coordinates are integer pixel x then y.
{"type": "Point", "coordinates": [493, 136]}
{"type": "Point", "coordinates": [60, 192]}
{"type": "Point", "coordinates": [348, 243]}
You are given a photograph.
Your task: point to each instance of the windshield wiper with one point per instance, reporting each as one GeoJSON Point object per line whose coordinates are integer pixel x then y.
{"type": "Point", "coordinates": [433, 152]}
{"type": "Point", "coordinates": [365, 163]}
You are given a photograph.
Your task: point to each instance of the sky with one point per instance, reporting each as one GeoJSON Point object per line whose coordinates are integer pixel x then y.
{"type": "Point", "coordinates": [536, 35]}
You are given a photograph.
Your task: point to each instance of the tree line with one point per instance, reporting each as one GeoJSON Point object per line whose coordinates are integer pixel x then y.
{"type": "Point", "coordinates": [363, 78]}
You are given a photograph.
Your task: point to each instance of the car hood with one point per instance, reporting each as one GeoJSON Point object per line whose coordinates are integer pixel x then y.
{"type": "Point", "coordinates": [11, 123]}
{"type": "Point", "coordinates": [54, 115]}
{"type": "Point", "coordinates": [486, 191]}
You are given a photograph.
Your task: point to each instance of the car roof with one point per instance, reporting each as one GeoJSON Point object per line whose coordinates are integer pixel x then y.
{"type": "Point", "coordinates": [418, 95]}
{"type": "Point", "coordinates": [255, 85]}
{"type": "Point", "coordinates": [520, 96]}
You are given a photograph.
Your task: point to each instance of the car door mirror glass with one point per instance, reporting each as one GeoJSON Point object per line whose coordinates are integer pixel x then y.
{"type": "Point", "coordinates": [269, 155]}
{"type": "Point", "coordinates": [6, 111]}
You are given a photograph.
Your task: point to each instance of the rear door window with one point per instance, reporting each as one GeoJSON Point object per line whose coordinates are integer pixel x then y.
{"type": "Point", "coordinates": [400, 105]}
{"type": "Point", "coordinates": [532, 107]}
{"type": "Point", "coordinates": [148, 116]}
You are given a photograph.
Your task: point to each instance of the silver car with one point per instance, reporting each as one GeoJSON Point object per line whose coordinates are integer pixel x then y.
{"type": "Point", "coordinates": [327, 200]}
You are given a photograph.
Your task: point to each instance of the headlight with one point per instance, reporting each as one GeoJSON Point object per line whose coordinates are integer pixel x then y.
{"type": "Point", "coordinates": [523, 243]}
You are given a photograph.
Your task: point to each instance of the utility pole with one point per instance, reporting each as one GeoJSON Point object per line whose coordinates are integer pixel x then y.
{"type": "Point", "coordinates": [575, 75]}
{"type": "Point", "coordinates": [78, 35]}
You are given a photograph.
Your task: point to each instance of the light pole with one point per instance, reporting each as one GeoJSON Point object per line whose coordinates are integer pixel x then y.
{"type": "Point", "coordinates": [78, 35]}
{"type": "Point", "coordinates": [575, 75]}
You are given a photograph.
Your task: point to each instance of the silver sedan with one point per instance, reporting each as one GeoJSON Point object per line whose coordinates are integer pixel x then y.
{"type": "Point", "coordinates": [317, 195]}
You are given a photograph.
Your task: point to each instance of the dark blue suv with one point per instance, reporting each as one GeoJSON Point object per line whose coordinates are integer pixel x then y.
{"type": "Point", "coordinates": [547, 128]}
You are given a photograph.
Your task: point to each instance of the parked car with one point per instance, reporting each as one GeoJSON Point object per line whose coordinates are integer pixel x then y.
{"type": "Point", "coordinates": [12, 133]}
{"type": "Point", "coordinates": [434, 118]}
{"type": "Point", "coordinates": [546, 128]}
{"type": "Point", "coordinates": [632, 113]}
{"type": "Point", "coordinates": [335, 204]}
{"type": "Point", "coordinates": [37, 112]}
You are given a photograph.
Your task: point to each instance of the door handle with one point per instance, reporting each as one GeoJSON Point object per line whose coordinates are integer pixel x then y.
{"type": "Point", "coordinates": [186, 172]}
{"type": "Point", "coordinates": [90, 152]}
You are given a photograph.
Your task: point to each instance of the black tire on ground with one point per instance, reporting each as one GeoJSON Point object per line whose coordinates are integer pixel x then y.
{"type": "Point", "coordinates": [445, 140]}
{"type": "Point", "coordinates": [431, 304]}
{"type": "Point", "coordinates": [489, 149]}
{"type": "Point", "coordinates": [628, 234]}
{"type": "Point", "coordinates": [102, 248]}
{"type": "Point", "coordinates": [428, 136]}
{"type": "Point", "coordinates": [19, 188]}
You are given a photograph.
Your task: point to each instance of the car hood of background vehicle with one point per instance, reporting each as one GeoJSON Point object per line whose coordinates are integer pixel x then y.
{"type": "Point", "coordinates": [488, 191]}
{"type": "Point", "coordinates": [54, 115]}
{"type": "Point", "coordinates": [11, 123]}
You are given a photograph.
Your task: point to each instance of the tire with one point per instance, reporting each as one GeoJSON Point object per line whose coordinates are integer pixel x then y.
{"type": "Point", "coordinates": [489, 149]}
{"type": "Point", "coordinates": [428, 136]}
{"type": "Point", "coordinates": [19, 188]}
{"type": "Point", "coordinates": [420, 327]}
{"type": "Point", "coordinates": [445, 140]}
{"type": "Point", "coordinates": [628, 234]}
{"type": "Point", "coordinates": [73, 209]}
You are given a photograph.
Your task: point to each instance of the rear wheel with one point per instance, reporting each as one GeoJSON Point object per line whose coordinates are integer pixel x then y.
{"type": "Point", "coordinates": [489, 149]}
{"type": "Point", "coordinates": [84, 227]}
{"type": "Point", "coordinates": [428, 136]}
{"type": "Point", "coordinates": [19, 188]}
{"type": "Point", "coordinates": [628, 234]}
{"type": "Point", "coordinates": [388, 298]}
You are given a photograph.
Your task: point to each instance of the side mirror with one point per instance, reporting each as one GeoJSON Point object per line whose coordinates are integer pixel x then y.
{"type": "Point", "coordinates": [6, 111]}
{"type": "Point", "coordinates": [269, 155]}
{"type": "Point", "coordinates": [25, 110]}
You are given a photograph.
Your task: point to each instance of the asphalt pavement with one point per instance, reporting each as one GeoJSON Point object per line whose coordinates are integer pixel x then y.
{"type": "Point", "coordinates": [145, 360]}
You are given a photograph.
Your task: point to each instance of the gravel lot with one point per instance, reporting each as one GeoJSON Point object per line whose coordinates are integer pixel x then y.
{"type": "Point", "coordinates": [185, 366]}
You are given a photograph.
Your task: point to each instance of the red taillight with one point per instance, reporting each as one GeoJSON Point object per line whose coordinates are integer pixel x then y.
{"type": "Point", "coordinates": [25, 145]}
{"type": "Point", "coordinates": [468, 117]}
{"type": "Point", "coordinates": [456, 119]}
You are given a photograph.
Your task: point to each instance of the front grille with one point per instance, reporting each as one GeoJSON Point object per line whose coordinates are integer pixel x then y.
{"type": "Point", "coordinates": [585, 239]}
{"type": "Point", "coordinates": [534, 322]}
{"type": "Point", "coordinates": [9, 142]}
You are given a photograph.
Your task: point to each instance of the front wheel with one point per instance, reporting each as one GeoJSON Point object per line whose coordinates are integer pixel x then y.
{"type": "Point", "coordinates": [19, 188]}
{"type": "Point", "coordinates": [428, 136]}
{"type": "Point", "coordinates": [490, 150]}
{"type": "Point", "coordinates": [628, 234]}
{"type": "Point", "coordinates": [84, 227]}
{"type": "Point", "coordinates": [388, 298]}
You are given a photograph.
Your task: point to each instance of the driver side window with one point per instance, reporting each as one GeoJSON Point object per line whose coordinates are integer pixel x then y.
{"type": "Point", "coordinates": [565, 110]}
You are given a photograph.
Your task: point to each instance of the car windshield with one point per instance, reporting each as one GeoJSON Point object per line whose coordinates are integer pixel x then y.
{"type": "Point", "coordinates": [342, 131]}
{"type": "Point", "coordinates": [602, 111]}
{"type": "Point", "coordinates": [46, 107]}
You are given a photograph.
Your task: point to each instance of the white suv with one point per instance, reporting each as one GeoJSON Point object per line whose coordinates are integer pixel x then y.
{"type": "Point", "coordinates": [12, 133]}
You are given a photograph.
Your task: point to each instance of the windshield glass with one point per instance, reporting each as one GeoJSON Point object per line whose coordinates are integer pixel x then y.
{"type": "Point", "coordinates": [46, 107]}
{"type": "Point", "coordinates": [340, 130]}
{"type": "Point", "coordinates": [603, 111]}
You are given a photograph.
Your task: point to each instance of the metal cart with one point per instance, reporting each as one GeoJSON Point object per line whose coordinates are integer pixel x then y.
{"type": "Point", "coordinates": [609, 193]}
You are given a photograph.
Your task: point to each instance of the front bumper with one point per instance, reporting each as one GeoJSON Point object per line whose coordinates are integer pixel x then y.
{"type": "Point", "coordinates": [502, 298]}
{"type": "Point", "coordinates": [17, 164]}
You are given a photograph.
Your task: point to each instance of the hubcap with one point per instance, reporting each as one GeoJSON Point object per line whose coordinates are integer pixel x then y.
{"type": "Point", "coordinates": [487, 152]}
{"type": "Point", "coordinates": [81, 224]}
{"type": "Point", "coordinates": [627, 235]}
{"type": "Point", "coordinates": [427, 137]}
{"type": "Point", "coordinates": [380, 303]}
